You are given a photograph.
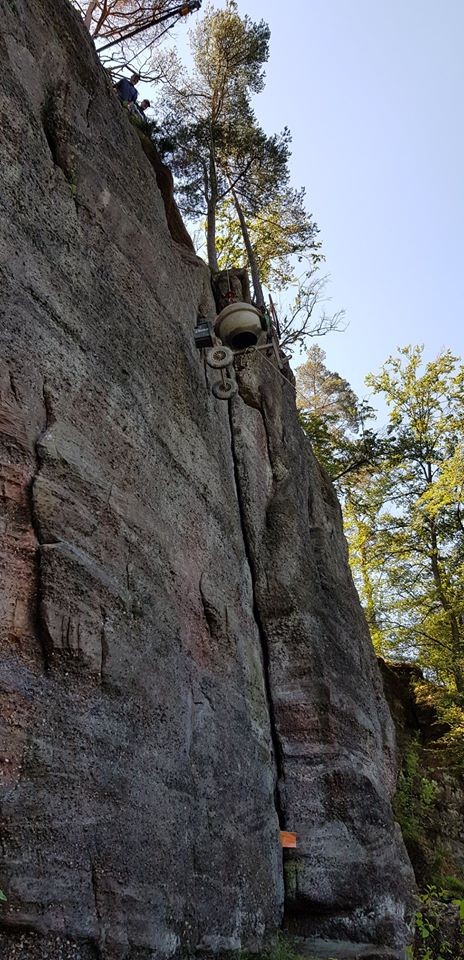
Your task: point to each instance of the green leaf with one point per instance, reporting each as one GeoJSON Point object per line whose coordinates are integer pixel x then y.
{"type": "Point", "coordinates": [460, 904]}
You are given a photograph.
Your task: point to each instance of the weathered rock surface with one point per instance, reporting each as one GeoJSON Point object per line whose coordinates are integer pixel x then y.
{"type": "Point", "coordinates": [434, 827]}
{"type": "Point", "coordinates": [170, 650]}
{"type": "Point", "coordinates": [334, 737]}
{"type": "Point", "coordinates": [137, 777]}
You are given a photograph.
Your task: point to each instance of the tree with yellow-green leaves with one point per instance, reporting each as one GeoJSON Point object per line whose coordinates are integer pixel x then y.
{"type": "Point", "coordinates": [405, 517]}
{"type": "Point", "coordinates": [403, 504]}
{"type": "Point", "coordinates": [334, 419]}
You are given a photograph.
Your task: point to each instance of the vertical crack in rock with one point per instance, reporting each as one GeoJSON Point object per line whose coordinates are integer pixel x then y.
{"type": "Point", "coordinates": [211, 613]}
{"type": "Point", "coordinates": [277, 749]}
{"type": "Point", "coordinates": [54, 123]}
{"type": "Point", "coordinates": [205, 370]}
{"type": "Point", "coordinates": [94, 882]}
{"type": "Point", "coordinates": [89, 107]}
{"type": "Point", "coordinates": [43, 635]}
{"type": "Point", "coordinates": [13, 386]}
{"type": "Point", "coordinates": [104, 645]}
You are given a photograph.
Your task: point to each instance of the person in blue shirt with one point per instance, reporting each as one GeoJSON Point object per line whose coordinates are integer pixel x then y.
{"type": "Point", "coordinates": [125, 89]}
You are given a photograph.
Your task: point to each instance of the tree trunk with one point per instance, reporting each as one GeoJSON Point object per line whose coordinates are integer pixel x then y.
{"type": "Point", "coordinates": [212, 201]}
{"type": "Point", "coordinates": [456, 639]}
{"type": "Point", "coordinates": [88, 13]}
{"type": "Point", "coordinates": [371, 612]}
{"type": "Point", "coordinates": [259, 297]}
{"type": "Point", "coordinates": [211, 235]}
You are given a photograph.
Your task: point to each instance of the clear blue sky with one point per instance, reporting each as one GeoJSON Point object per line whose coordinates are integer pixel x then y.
{"type": "Point", "coordinates": [372, 91]}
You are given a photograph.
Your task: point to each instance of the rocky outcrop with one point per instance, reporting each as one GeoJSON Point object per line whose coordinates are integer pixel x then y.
{"type": "Point", "coordinates": [184, 660]}
{"type": "Point", "coordinates": [138, 807]}
{"type": "Point", "coordinates": [430, 796]}
{"type": "Point", "coordinates": [165, 181]}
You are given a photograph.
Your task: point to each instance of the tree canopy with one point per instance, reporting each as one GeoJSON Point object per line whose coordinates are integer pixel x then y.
{"type": "Point", "coordinates": [333, 417]}
{"type": "Point", "coordinates": [403, 503]}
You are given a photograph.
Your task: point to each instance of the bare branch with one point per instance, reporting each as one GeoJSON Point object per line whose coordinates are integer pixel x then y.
{"type": "Point", "coordinates": [302, 320]}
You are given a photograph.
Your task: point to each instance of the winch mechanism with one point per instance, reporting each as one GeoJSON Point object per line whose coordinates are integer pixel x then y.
{"type": "Point", "coordinates": [238, 328]}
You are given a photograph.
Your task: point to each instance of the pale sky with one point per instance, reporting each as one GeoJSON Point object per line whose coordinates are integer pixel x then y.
{"type": "Point", "coordinates": [372, 91]}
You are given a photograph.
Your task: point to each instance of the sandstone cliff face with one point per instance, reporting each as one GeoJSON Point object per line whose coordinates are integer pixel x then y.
{"type": "Point", "coordinates": [184, 660]}
{"type": "Point", "coordinates": [335, 743]}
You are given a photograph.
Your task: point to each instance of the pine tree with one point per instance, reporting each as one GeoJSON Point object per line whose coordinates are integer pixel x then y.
{"type": "Point", "coordinates": [199, 110]}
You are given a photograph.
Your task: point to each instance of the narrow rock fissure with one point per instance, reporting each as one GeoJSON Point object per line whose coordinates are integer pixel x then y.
{"type": "Point", "coordinates": [89, 107]}
{"type": "Point", "coordinates": [211, 615]}
{"type": "Point", "coordinates": [40, 625]}
{"type": "Point", "coordinates": [53, 134]}
{"type": "Point", "coordinates": [104, 646]}
{"type": "Point", "coordinates": [13, 386]}
{"type": "Point", "coordinates": [270, 454]}
{"type": "Point", "coordinates": [49, 129]}
{"type": "Point", "coordinates": [94, 882]}
{"type": "Point", "coordinates": [277, 750]}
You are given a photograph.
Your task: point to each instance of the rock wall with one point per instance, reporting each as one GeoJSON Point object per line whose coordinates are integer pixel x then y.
{"type": "Point", "coordinates": [184, 660]}
{"type": "Point", "coordinates": [350, 876]}
{"type": "Point", "coordinates": [430, 795]}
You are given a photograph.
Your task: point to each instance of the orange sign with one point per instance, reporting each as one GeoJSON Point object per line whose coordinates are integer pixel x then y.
{"type": "Point", "coordinates": [287, 839]}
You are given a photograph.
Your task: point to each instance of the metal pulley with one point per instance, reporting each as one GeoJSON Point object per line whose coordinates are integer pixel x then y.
{"type": "Point", "coordinates": [224, 389]}
{"type": "Point", "coordinates": [219, 357]}
{"type": "Point", "coordinates": [222, 359]}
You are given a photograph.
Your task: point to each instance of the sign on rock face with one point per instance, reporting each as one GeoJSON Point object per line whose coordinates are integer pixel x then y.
{"type": "Point", "coordinates": [287, 839]}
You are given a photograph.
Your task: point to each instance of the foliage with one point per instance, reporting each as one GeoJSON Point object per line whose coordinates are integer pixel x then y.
{"type": "Point", "coordinates": [330, 399]}
{"type": "Point", "coordinates": [200, 110]}
{"type": "Point", "coordinates": [449, 744]}
{"type": "Point", "coordinates": [453, 740]}
{"type": "Point", "coordinates": [402, 494]}
{"type": "Point", "coordinates": [404, 518]}
{"type": "Point", "coordinates": [433, 928]}
{"type": "Point", "coordinates": [453, 887]}
{"type": "Point", "coordinates": [280, 230]}
{"type": "Point", "coordinates": [2, 897]}
{"type": "Point", "coordinates": [415, 797]}
{"type": "Point", "coordinates": [228, 169]}
{"type": "Point", "coordinates": [264, 221]}
{"type": "Point", "coordinates": [333, 418]}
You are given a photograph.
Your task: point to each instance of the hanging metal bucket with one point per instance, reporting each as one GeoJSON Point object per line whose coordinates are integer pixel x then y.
{"type": "Point", "coordinates": [239, 326]}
